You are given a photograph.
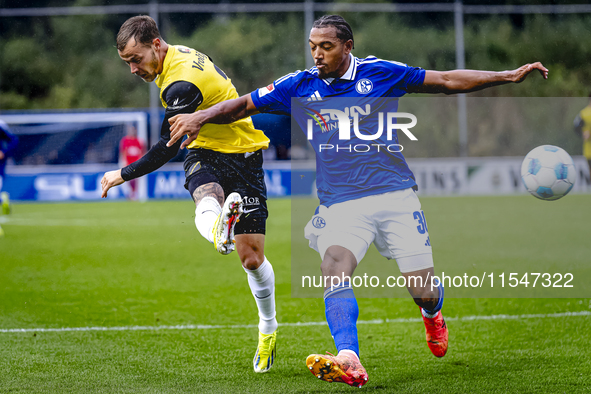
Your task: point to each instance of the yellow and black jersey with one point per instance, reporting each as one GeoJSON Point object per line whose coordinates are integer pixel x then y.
{"type": "Point", "coordinates": [190, 81]}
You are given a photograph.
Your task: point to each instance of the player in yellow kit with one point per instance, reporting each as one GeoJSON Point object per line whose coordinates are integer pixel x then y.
{"type": "Point", "coordinates": [223, 164]}
{"type": "Point", "coordinates": [583, 127]}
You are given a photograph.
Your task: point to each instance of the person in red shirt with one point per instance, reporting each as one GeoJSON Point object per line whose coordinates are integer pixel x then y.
{"type": "Point", "coordinates": [130, 150]}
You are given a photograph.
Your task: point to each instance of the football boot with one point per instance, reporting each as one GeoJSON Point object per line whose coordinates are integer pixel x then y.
{"type": "Point", "coordinates": [343, 368]}
{"type": "Point", "coordinates": [265, 354]}
{"type": "Point", "coordinates": [223, 229]}
{"type": "Point", "coordinates": [437, 334]}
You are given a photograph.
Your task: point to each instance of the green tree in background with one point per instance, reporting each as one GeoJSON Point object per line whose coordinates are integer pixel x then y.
{"type": "Point", "coordinates": [71, 62]}
{"type": "Point", "coordinates": [252, 50]}
{"type": "Point", "coordinates": [66, 62]}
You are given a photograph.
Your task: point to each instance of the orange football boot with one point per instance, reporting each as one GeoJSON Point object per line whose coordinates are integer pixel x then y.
{"type": "Point", "coordinates": [437, 334]}
{"type": "Point", "coordinates": [343, 368]}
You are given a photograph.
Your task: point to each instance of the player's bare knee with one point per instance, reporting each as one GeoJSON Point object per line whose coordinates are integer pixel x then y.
{"type": "Point", "coordinates": [251, 254]}
{"type": "Point", "coordinates": [251, 261]}
{"type": "Point", "coordinates": [251, 250]}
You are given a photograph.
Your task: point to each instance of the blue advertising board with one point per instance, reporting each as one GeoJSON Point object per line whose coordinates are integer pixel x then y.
{"type": "Point", "coordinates": [82, 183]}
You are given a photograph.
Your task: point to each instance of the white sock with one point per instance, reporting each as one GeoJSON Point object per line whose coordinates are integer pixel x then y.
{"type": "Point", "coordinates": [428, 315]}
{"type": "Point", "coordinates": [262, 285]}
{"type": "Point", "coordinates": [349, 352]}
{"type": "Point", "coordinates": [206, 213]}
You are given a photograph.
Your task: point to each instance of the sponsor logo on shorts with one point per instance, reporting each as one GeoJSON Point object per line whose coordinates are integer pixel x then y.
{"type": "Point", "coordinates": [250, 200]}
{"type": "Point", "coordinates": [318, 222]}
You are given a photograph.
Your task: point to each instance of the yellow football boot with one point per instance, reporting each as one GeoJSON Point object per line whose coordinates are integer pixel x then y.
{"type": "Point", "coordinates": [265, 354]}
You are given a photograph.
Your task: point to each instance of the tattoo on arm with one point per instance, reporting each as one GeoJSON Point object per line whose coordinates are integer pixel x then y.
{"type": "Point", "coordinates": [211, 189]}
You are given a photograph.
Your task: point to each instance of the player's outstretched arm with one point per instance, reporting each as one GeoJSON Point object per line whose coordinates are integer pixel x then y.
{"type": "Point", "coordinates": [222, 113]}
{"type": "Point", "coordinates": [465, 81]}
{"type": "Point", "coordinates": [155, 158]}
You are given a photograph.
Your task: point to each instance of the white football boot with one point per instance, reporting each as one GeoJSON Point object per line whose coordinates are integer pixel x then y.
{"type": "Point", "coordinates": [223, 229]}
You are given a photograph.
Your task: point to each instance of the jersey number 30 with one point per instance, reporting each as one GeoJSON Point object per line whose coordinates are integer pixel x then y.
{"type": "Point", "coordinates": [420, 217]}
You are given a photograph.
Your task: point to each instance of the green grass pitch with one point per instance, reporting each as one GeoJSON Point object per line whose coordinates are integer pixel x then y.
{"type": "Point", "coordinates": [131, 264]}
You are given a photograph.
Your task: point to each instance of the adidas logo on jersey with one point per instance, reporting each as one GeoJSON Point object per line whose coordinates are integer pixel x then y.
{"type": "Point", "coordinates": [315, 97]}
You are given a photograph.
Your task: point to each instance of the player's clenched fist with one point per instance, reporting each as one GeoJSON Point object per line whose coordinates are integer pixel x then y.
{"type": "Point", "coordinates": [110, 179]}
{"type": "Point", "coordinates": [184, 124]}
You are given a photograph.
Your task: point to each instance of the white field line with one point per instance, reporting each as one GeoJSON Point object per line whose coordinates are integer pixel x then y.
{"type": "Point", "coordinates": [48, 222]}
{"type": "Point", "coordinates": [298, 324]}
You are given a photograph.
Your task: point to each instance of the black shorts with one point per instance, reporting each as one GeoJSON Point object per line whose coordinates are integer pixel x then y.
{"type": "Point", "coordinates": [234, 172]}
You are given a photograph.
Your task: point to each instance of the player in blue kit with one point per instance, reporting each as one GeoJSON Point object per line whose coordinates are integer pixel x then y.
{"type": "Point", "coordinates": [364, 198]}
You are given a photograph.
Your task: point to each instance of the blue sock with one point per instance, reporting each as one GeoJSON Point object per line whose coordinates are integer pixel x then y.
{"type": "Point", "coordinates": [341, 314]}
{"type": "Point", "coordinates": [439, 303]}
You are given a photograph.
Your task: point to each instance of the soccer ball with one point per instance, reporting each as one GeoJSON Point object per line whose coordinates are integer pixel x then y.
{"type": "Point", "coordinates": [548, 172]}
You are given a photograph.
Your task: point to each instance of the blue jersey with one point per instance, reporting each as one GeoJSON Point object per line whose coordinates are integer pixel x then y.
{"type": "Point", "coordinates": [363, 162]}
